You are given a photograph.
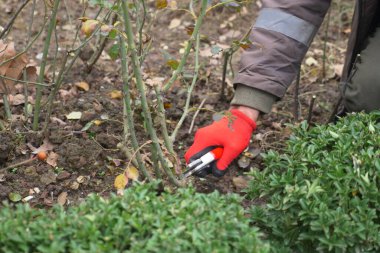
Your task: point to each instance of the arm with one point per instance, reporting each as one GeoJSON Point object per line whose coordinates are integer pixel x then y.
{"type": "Point", "coordinates": [281, 37]}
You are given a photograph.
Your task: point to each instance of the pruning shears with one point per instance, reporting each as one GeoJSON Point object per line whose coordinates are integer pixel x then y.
{"type": "Point", "coordinates": [203, 162]}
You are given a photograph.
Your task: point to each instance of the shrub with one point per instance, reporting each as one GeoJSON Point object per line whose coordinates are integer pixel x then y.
{"type": "Point", "coordinates": [322, 194]}
{"type": "Point", "coordinates": [140, 221]}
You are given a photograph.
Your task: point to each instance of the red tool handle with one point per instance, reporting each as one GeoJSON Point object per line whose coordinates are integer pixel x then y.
{"type": "Point", "coordinates": [218, 152]}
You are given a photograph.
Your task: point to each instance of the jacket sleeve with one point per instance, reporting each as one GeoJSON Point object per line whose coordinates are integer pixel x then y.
{"type": "Point", "coordinates": [281, 37]}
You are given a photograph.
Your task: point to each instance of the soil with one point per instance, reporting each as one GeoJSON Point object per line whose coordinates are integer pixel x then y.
{"type": "Point", "coordinates": [88, 161]}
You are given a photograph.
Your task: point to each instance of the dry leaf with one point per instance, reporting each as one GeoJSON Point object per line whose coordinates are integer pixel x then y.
{"type": "Point", "coordinates": [161, 4]}
{"type": "Point", "coordinates": [67, 94]}
{"type": "Point", "coordinates": [121, 182]}
{"type": "Point", "coordinates": [74, 115]}
{"type": "Point", "coordinates": [132, 173]}
{"type": "Point", "coordinates": [46, 146]}
{"type": "Point", "coordinates": [58, 120]}
{"type": "Point", "coordinates": [12, 69]}
{"type": "Point", "coordinates": [172, 4]}
{"type": "Point", "coordinates": [80, 179]}
{"type": "Point", "coordinates": [116, 94]}
{"type": "Point", "coordinates": [174, 23]}
{"type": "Point", "coordinates": [155, 81]}
{"type": "Point", "coordinates": [338, 69]}
{"type": "Point", "coordinates": [62, 198]}
{"type": "Point", "coordinates": [89, 26]}
{"type": "Point", "coordinates": [52, 159]}
{"type": "Point", "coordinates": [98, 122]}
{"type": "Point", "coordinates": [82, 86]}
{"type": "Point", "coordinates": [311, 61]}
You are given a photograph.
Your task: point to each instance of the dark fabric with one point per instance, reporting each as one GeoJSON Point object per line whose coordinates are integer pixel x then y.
{"type": "Point", "coordinates": [362, 91]}
{"type": "Point", "coordinates": [273, 62]}
{"type": "Point", "coordinates": [365, 17]}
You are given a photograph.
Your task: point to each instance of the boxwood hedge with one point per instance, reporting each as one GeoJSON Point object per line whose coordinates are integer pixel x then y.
{"type": "Point", "coordinates": [322, 193]}
{"type": "Point", "coordinates": [140, 221]}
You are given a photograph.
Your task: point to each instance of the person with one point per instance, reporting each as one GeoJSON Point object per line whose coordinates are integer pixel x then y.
{"type": "Point", "coordinates": [285, 29]}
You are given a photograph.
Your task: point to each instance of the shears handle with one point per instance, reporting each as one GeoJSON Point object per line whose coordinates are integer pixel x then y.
{"type": "Point", "coordinates": [203, 161]}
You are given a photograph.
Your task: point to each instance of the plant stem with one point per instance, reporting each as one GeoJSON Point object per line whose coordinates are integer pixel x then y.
{"type": "Point", "coordinates": [40, 79]}
{"type": "Point", "coordinates": [95, 57]}
{"type": "Point", "coordinates": [164, 129]}
{"type": "Point", "coordinates": [188, 48]}
{"type": "Point", "coordinates": [296, 96]}
{"type": "Point", "coordinates": [7, 108]}
{"type": "Point", "coordinates": [141, 28]}
{"type": "Point", "coordinates": [311, 106]}
{"type": "Point", "coordinates": [141, 88]}
{"type": "Point", "coordinates": [325, 45]}
{"type": "Point", "coordinates": [190, 91]}
{"type": "Point", "coordinates": [54, 92]}
{"type": "Point", "coordinates": [128, 109]}
{"type": "Point", "coordinates": [226, 56]}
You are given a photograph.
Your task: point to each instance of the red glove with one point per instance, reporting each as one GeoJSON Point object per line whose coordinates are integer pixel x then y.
{"type": "Point", "coordinates": [232, 133]}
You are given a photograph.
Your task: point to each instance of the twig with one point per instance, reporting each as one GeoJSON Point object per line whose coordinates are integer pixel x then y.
{"type": "Point", "coordinates": [18, 164]}
{"type": "Point", "coordinates": [27, 82]}
{"type": "Point", "coordinates": [53, 93]}
{"type": "Point", "coordinates": [10, 23]}
{"type": "Point", "coordinates": [137, 151]}
{"type": "Point", "coordinates": [95, 57]}
{"type": "Point", "coordinates": [226, 56]}
{"type": "Point", "coordinates": [7, 108]}
{"type": "Point", "coordinates": [336, 108]}
{"type": "Point", "coordinates": [195, 115]}
{"type": "Point", "coordinates": [325, 45]}
{"type": "Point", "coordinates": [189, 45]}
{"type": "Point", "coordinates": [190, 91]}
{"type": "Point", "coordinates": [310, 114]}
{"type": "Point", "coordinates": [296, 96]}
{"type": "Point", "coordinates": [141, 28]}
{"type": "Point", "coordinates": [41, 75]}
{"type": "Point", "coordinates": [30, 44]}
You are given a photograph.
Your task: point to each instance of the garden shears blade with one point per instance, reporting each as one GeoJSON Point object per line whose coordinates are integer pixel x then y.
{"type": "Point", "coordinates": [203, 162]}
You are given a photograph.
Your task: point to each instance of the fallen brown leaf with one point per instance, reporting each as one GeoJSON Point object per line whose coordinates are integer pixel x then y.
{"type": "Point", "coordinates": [82, 86]}
{"type": "Point", "coordinates": [62, 198]}
{"type": "Point", "coordinates": [52, 159]}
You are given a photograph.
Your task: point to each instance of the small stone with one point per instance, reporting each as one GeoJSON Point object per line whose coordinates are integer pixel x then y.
{"type": "Point", "coordinates": [2, 177]}
{"type": "Point", "coordinates": [240, 182]}
{"type": "Point", "coordinates": [27, 198]}
{"type": "Point", "coordinates": [244, 162]}
{"type": "Point", "coordinates": [87, 116]}
{"type": "Point", "coordinates": [48, 178]}
{"type": "Point", "coordinates": [63, 175]}
{"type": "Point", "coordinates": [252, 153]}
{"type": "Point", "coordinates": [36, 190]}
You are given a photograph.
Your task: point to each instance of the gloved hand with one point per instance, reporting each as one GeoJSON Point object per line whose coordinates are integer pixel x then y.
{"type": "Point", "coordinates": [232, 133]}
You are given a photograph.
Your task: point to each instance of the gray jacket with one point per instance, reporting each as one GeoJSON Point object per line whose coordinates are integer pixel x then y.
{"type": "Point", "coordinates": [284, 30]}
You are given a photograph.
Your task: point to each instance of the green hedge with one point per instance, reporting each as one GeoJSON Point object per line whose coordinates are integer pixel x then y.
{"type": "Point", "coordinates": [322, 193]}
{"type": "Point", "coordinates": [140, 221]}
